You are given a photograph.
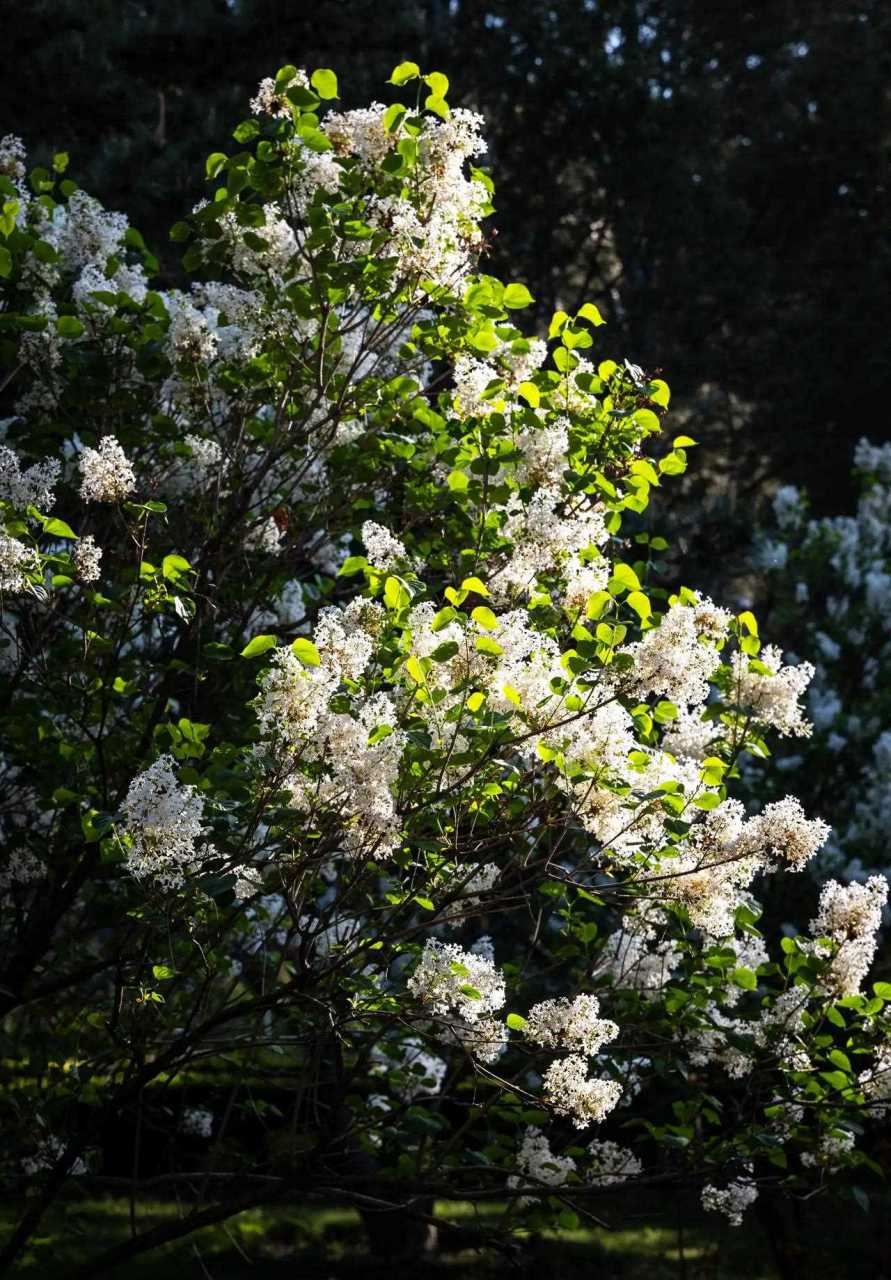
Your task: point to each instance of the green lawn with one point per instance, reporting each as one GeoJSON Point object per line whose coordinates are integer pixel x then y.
{"type": "Point", "coordinates": [321, 1244]}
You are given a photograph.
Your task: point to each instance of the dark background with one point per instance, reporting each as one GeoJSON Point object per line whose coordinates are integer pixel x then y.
{"type": "Point", "coordinates": [713, 173]}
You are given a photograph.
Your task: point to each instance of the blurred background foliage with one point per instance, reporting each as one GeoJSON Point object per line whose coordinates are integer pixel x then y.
{"type": "Point", "coordinates": [714, 177]}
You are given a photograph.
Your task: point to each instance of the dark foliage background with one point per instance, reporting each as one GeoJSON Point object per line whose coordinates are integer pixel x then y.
{"type": "Point", "coordinates": [714, 176]}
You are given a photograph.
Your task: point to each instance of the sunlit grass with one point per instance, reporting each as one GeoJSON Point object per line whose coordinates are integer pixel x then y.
{"type": "Point", "coordinates": [322, 1243]}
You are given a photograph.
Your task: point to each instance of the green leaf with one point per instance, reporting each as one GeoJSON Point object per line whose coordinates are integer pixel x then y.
{"type": "Point", "coordinates": [215, 164]}
{"type": "Point", "coordinates": [58, 528]}
{"type": "Point", "coordinates": [442, 618]}
{"type": "Point", "coordinates": [246, 131]}
{"type": "Point", "coordinates": [259, 645]}
{"type": "Point", "coordinates": [744, 978]}
{"type": "Point", "coordinates": [882, 990]}
{"type": "Point", "coordinates": [708, 800]}
{"type": "Point", "coordinates": [485, 644]}
{"type": "Point", "coordinates": [517, 296]}
{"type": "Point", "coordinates": [590, 312]}
{"type": "Point", "coordinates": [443, 652]}
{"type": "Point", "coordinates": [625, 576]}
{"type": "Point", "coordinates": [557, 324]}
{"type": "Point", "coordinates": [438, 106]}
{"type": "Point", "coordinates": [5, 261]}
{"type": "Point", "coordinates": [393, 117]}
{"type": "Point", "coordinates": [404, 72]}
{"type": "Point", "coordinates": [324, 82]}
{"type": "Point", "coordinates": [352, 564]}
{"type": "Point", "coordinates": [597, 603]}
{"type": "Point", "coordinates": [475, 584]}
{"type": "Point", "coordinates": [530, 393]}
{"type": "Point", "coordinates": [640, 604]}
{"type": "Point", "coordinates": [161, 972]}
{"type": "Point", "coordinates": [69, 327]}
{"type": "Point", "coordinates": [396, 594]}
{"type": "Point", "coordinates": [307, 652]}
{"type": "Point", "coordinates": [437, 83]}
{"type": "Point", "coordinates": [174, 566]}
{"type": "Point", "coordinates": [216, 652]}
{"type": "Point", "coordinates": [415, 670]}
{"type": "Point", "coordinates": [484, 617]}
{"type": "Point", "coordinates": [516, 1022]}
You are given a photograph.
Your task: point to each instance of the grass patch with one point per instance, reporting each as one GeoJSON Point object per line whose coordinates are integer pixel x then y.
{"type": "Point", "coordinates": [321, 1243]}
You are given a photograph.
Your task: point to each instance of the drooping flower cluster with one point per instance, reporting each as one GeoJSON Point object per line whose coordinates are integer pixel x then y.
{"type": "Point", "coordinates": [538, 1165]}
{"type": "Point", "coordinates": [851, 916]}
{"type": "Point", "coordinates": [677, 659]}
{"type": "Point", "coordinates": [86, 556]}
{"type": "Point", "coordinates": [198, 1122]}
{"type": "Point", "coordinates": [382, 549]}
{"type": "Point", "coordinates": [570, 1024]}
{"type": "Point", "coordinates": [107, 474]}
{"type": "Point", "coordinates": [611, 1163]}
{"type": "Point", "coordinates": [35, 486]}
{"type": "Point", "coordinates": [453, 982]}
{"type": "Point", "coordinates": [732, 1200]}
{"type": "Point", "coordinates": [17, 563]}
{"type": "Point", "coordinates": [571, 1092]}
{"type": "Point", "coordinates": [164, 822]}
{"type": "Point", "coordinates": [771, 691]}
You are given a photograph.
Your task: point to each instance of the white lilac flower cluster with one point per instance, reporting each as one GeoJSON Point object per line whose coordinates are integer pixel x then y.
{"type": "Point", "coordinates": [360, 751]}
{"type": "Point", "coordinates": [47, 1154]}
{"type": "Point", "coordinates": [464, 989]}
{"type": "Point", "coordinates": [18, 564]}
{"type": "Point", "coordinates": [35, 486]}
{"type": "Point", "coordinates": [197, 1122]}
{"type": "Point", "coordinates": [677, 659]}
{"type": "Point", "coordinates": [21, 868]}
{"type": "Point", "coordinates": [831, 1151]}
{"type": "Point", "coordinates": [381, 548]}
{"type": "Point", "coordinates": [570, 1091]}
{"type": "Point", "coordinates": [850, 916]}
{"type": "Point", "coordinates": [635, 956]}
{"type": "Point", "coordinates": [452, 982]}
{"type": "Point", "coordinates": [421, 1072]}
{"type": "Point", "coordinates": [725, 851]}
{"type": "Point", "coordinates": [164, 823]}
{"type": "Point", "coordinates": [732, 1200]}
{"type": "Point", "coordinates": [107, 474]}
{"type": "Point", "coordinates": [431, 226]}
{"type": "Point", "coordinates": [570, 1024]}
{"type": "Point", "coordinates": [86, 556]}
{"type": "Point", "coordinates": [875, 1083]}
{"type": "Point", "coordinates": [195, 473]}
{"type": "Point", "coordinates": [611, 1163]}
{"type": "Point", "coordinates": [538, 1165]}
{"type": "Point", "coordinates": [772, 695]}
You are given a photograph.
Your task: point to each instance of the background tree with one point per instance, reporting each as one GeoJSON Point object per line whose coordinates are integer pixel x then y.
{"type": "Point", "coordinates": [733, 157]}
